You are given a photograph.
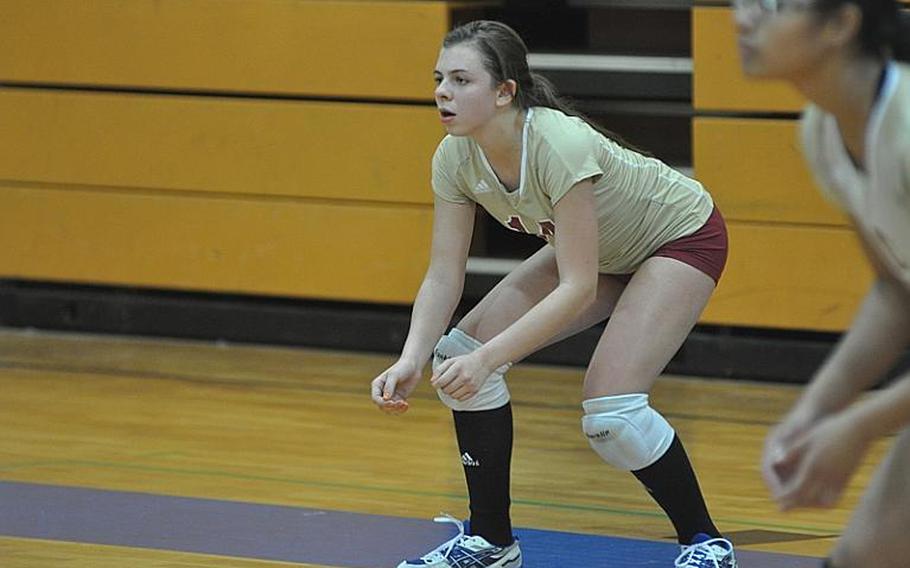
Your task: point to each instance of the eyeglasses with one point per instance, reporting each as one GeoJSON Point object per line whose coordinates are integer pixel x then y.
{"type": "Point", "coordinates": [769, 6]}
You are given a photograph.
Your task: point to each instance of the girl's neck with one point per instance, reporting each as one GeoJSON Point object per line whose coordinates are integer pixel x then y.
{"type": "Point", "coordinates": [500, 138]}
{"type": "Point", "coordinates": [845, 87]}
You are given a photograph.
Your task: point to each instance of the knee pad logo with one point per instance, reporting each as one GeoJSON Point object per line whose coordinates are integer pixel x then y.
{"type": "Point", "coordinates": [598, 436]}
{"type": "Point", "coordinates": [439, 356]}
{"type": "Point", "coordinates": [630, 437]}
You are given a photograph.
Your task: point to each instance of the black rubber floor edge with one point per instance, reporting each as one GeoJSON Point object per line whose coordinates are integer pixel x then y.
{"type": "Point", "coordinates": [763, 355]}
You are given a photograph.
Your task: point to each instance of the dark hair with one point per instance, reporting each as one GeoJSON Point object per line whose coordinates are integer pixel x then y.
{"type": "Point", "coordinates": [901, 47]}
{"type": "Point", "coordinates": [885, 30]}
{"type": "Point", "coordinates": [505, 56]}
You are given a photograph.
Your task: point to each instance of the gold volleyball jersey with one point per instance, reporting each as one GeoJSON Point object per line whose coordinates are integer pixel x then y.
{"type": "Point", "coordinates": [641, 202]}
{"type": "Point", "coordinates": [877, 198]}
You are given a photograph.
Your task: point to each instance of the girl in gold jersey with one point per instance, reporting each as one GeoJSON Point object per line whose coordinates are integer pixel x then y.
{"type": "Point", "coordinates": [856, 137]}
{"type": "Point", "coordinates": [627, 239]}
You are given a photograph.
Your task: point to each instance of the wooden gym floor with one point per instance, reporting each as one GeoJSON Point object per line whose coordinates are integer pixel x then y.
{"type": "Point", "coordinates": [152, 453]}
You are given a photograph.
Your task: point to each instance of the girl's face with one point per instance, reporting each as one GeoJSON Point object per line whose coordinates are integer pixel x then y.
{"type": "Point", "coordinates": [784, 42]}
{"type": "Point", "coordinates": [465, 94]}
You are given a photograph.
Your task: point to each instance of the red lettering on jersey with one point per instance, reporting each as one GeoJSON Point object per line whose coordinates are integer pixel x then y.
{"type": "Point", "coordinates": [515, 224]}
{"type": "Point", "coordinates": [547, 229]}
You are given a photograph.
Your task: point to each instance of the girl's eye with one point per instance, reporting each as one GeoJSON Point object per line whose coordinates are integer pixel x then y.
{"type": "Point", "coordinates": [461, 80]}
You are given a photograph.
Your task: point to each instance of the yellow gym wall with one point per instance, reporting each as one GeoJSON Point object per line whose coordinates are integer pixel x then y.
{"type": "Point", "coordinates": [253, 146]}
{"type": "Point", "coordinates": [282, 147]}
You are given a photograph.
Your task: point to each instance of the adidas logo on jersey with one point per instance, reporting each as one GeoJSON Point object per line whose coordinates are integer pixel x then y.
{"type": "Point", "coordinates": [482, 187]}
{"type": "Point", "coordinates": [468, 461]}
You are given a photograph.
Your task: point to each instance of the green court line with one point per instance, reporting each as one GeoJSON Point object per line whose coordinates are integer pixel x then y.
{"type": "Point", "coordinates": [591, 508]}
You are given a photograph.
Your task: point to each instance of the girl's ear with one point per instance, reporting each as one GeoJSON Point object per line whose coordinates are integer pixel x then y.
{"type": "Point", "coordinates": [843, 27]}
{"type": "Point", "coordinates": [506, 92]}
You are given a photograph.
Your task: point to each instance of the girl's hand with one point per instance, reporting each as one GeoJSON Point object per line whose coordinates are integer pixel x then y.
{"type": "Point", "coordinates": [775, 471]}
{"type": "Point", "coordinates": [821, 462]}
{"type": "Point", "coordinates": [461, 377]}
{"type": "Point", "coordinates": [390, 390]}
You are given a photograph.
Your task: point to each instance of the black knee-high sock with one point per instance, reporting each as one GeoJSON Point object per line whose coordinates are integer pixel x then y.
{"type": "Point", "coordinates": [672, 483]}
{"type": "Point", "coordinates": [485, 444]}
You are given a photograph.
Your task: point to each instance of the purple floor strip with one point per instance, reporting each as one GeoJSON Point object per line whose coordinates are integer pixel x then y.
{"type": "Point", "coordinates": [294, 534]}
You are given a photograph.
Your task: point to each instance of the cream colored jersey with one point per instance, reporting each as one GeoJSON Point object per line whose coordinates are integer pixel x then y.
{"type": "Point", "coordinates": [877, 198]}
{"type": "Point", "coordinates": [641, 202]}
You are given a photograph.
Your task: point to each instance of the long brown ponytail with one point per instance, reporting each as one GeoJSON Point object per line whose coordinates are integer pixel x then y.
{"type": "Point", "coordinates": [505, 56]}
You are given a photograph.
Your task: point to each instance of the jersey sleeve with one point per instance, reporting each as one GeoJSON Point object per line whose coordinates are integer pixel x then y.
{"type": "Point", "coordinates": [810, 140]}
{"type": "Point", "coordinates": [445, 167]}
{"type": "Point", "coordinates": [905, 174]}
{"type": "Point", "coordinates": [569, 157]}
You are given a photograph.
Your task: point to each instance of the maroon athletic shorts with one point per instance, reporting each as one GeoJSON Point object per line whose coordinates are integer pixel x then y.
{"type": "Point", "coordinates": [705, 249]}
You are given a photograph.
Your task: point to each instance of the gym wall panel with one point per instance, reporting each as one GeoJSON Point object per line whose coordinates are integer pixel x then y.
{"type": "Point", "coordinates": [271, 246]}
{"type": "Point", "coordinates": [305, 149]}
{"type": "Point", "coordinates": [327, 48]}
{"type": "Point", "coordinates": [718, 83]}
{"type": "Point", "coordinates": [790, 277]}
{"type": "Point", "coordinates": [755, 170]}
{"type": "Point", "coordinates": [277, 147]}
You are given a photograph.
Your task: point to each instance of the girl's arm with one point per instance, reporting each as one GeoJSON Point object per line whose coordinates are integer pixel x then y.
{"type": "Point", "coordinates": [453, 225]}
{"type": "Point", "coordinates": [883, 411]}
{"type": "Point", "coordinates": [875, 340]}
{"type": "Point", "coordinates": [577, 259]}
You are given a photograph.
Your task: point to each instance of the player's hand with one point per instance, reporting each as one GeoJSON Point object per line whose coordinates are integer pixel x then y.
{"type": "Point", "coordinates": [821, 462]}
{"type": "Point", "coordinates": [461, 377]}
{"type": "Point", "coordinates": [775, 470]}
{"type": "Point", "coordinates": [391, 389]}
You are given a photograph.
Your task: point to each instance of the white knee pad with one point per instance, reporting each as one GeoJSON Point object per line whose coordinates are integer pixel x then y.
{"type": "Point", "coordinates": [625, 431]}
{"type": "Point", "coordinates": [493, 394]}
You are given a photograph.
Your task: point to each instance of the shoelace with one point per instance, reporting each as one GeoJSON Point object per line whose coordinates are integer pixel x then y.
{"type": "Point", "coordinates": [437, 554]}
{"type": "Point", "coordinates": [712, 550]}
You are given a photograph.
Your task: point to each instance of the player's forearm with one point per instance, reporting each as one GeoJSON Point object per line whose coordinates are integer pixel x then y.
{"type": "Point", "coordinates": [433, 308]}
{"type": "Point", "coordinates": [875, 340]}
{"type": "Point", "coordinates": [541, 323]}
{"type": "Point", "coordinates": [883, 411]}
